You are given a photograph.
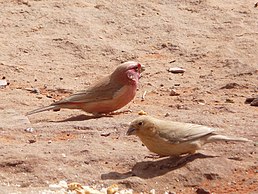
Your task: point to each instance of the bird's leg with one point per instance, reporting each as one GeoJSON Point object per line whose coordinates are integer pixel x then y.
{"type": "Point", "coordinates": [153, 156]}
{"type": "Point", "coordinates": [121, 112]}
{"type": "Point", "coordinates": [97, 115]}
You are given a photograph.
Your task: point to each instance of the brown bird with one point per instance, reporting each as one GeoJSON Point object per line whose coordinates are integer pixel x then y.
{"type": "Point", "coordinates": [109, 94]}
{"type": "Point", "coordinates": [168, 138]}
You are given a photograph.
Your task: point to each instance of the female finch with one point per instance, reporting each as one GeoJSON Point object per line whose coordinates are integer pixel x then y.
{"type": "Point", "coordinates": [168, 138]}
{"type": "Point", "coordinates": [109, 94]}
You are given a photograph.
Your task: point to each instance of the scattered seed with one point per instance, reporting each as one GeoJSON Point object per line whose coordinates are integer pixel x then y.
{"type": "Point", "coordinates": [112, 189]}
{"type": "Point", "coordinates": [142, 112]}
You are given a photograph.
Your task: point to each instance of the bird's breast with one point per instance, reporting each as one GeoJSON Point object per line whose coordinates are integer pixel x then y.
{"type": "Point", "coordinates": [165, 148]}
{"type": "Point", "coordinates": [120, 98]}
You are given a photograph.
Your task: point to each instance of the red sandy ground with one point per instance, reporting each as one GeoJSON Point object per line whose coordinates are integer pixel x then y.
{"type": "Point", "coordinates": [60, 47]}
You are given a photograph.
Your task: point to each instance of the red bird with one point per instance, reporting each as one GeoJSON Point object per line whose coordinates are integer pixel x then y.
{"type": "Point", "coordinates": [109, 94]}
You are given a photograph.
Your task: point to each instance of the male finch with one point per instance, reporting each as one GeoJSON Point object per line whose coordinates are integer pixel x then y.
{"type": "Point", "coordinates": [168, 138]}
{"type": "Point", "coordinates": [109, 94]}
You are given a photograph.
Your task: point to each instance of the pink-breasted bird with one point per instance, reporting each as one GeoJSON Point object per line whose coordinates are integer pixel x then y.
{"type": "Point", "coordinates": [109, 94]}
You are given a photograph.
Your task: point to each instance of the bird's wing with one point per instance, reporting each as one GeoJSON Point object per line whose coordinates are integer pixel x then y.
{"type": "Point", "coordinates": [176, 132]}
{"type": "Point", "coordinates": [103, 90]}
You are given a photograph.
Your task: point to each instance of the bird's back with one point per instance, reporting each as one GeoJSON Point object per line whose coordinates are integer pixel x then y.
{"type": "Point", "coordinates": [177, 132]}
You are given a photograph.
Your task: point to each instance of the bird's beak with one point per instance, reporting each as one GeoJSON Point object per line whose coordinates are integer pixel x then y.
{"type": "Point", "coordinates": [142, 68]}
{"type": "Point", "coordinates": [131, 131]}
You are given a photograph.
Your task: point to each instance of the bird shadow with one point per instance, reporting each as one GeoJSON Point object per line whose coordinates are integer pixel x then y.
{"type": "Point", "coordinates": [82, 118]}
{"type": "Point", "coordinates": [150, 169]}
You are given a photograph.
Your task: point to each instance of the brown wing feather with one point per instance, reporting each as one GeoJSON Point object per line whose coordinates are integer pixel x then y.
{"type": "Point", "coordinates": [176, 132]}
{"type": "Point", "coordinates": [103, 90]}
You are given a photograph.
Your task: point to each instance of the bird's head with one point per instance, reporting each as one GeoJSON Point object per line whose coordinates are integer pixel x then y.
{"type": "Point", "coordinates": [141, 125]}
{"type": "Point", "coordinates": [129, 71]}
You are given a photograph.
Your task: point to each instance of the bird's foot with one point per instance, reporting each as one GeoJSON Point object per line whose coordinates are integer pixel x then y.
{"type": "Point", "coordinates": [121, 112]}
{"type": "Point", "coordinates": [98, 115]}
{"type": "Point", "coordinates": [153, 156]}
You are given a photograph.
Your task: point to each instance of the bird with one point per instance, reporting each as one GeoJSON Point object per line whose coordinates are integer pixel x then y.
{"type": "Point", "coordinates": [169, 138]}
{"type": "Point", "coordinates": [105, 96]}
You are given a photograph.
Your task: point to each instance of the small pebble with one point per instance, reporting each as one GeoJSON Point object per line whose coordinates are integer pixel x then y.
{"type": "Point", "coordinates": [176, 70]}
{"type": "Point", "coordinates": [249, 100]}
{"type": "Point", "coordinates": [230, 86]}
{"type": "Point", "coordinates": [3, 83]}
{"type": "Point", "coordinates": [202, 191]}
{"type": "Point", "coordinates": [105, 134]}
{"type": "Point", "coordinates": [29, 130]}
{"type": "Point", "coordinates": [229, 100]}
{"type": "Point", "coordinates": [254, 102]}
{"type": "Point", "coordinates": [173, 61]}
{"type": "Point", "coordinates": [49, 96]}
{"type": "Point", "coordinates": [33, 90]}
{"type": "Point", "coordinates": [173, 93]}
{"type": "Point", "coordinates": [31, 140]}
{"type": "Point", "coordinates": [167, 114]}
{"type": "Point", "coordinates": [143, 95]}
{"type": "Point", "coordinates": [169, 192]}
{"type": "Point", "coordinates": [201, 101]}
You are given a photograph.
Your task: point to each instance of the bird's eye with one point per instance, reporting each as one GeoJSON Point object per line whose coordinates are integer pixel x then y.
{"type": "Point", "coordinates": [140, 123]}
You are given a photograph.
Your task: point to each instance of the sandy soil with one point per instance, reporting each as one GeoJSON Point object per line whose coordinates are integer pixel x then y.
{"type": "Point", "coordinates": [59, 47]}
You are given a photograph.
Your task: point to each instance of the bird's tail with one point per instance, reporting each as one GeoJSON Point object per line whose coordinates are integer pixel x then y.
{"type": "Point", "coordinates": [46, 108]}
{"type": "Point", "coordinates": [214, 138]}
